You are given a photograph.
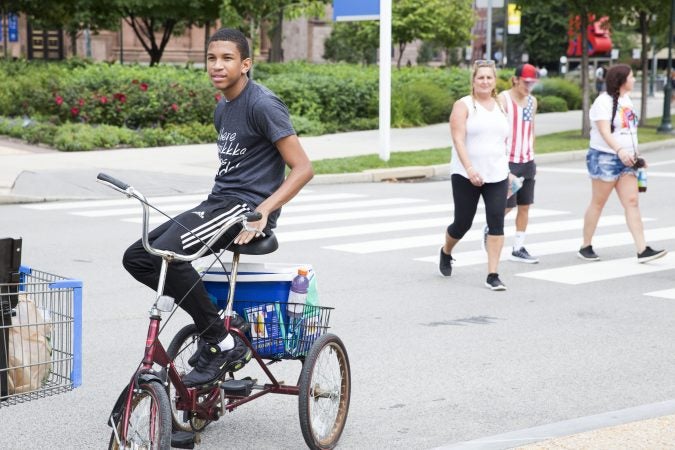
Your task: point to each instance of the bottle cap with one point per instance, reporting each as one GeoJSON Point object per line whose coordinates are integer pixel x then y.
{"type": "Point", "coordinates": [302, 272]}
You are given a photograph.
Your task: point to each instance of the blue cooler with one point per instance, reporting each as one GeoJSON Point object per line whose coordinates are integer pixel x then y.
{"type": "Point", "coordinates": [260, 298]}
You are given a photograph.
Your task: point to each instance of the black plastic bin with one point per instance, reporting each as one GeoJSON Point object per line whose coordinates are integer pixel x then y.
{"type": "Point", "coordinates": [10, 261]}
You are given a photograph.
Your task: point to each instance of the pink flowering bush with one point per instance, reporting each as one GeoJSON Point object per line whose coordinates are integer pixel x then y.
{"type": "Point", "coordinates": [131, 96]}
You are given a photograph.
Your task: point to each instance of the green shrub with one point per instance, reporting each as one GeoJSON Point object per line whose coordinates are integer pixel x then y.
{"type": "Point", "coordinates": [307, 127]}
{"type": "Point", "coordinates": [551, 103]}
{"type": "Point", "coordinates": [74, 138]}
{"type": "Point", "coordinates": [435, 102]}
{"type": "Point", "coordinates": [562, 88]}
{"type": "Point", "coordinates": [40, 133]}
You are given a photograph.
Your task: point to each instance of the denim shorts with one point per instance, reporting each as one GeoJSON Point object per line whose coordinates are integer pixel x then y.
{"type": "Point", "coordinates": [606, 166]}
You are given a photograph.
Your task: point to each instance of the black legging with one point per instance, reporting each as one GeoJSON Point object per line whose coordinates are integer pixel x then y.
{"type": "Point", "coordinates": [466, 196]}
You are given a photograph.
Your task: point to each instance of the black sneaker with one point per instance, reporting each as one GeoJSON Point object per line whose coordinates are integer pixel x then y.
{"type": "Point", "coordinates": [587, 254]}
{"type": "Point", "coordinates": [214, 363]}
{"type": "Point", "coordinates": [494, 283]}
{"type": "Point", "coordinates": [237, 322]}
{"type": "Point", "coordinates": [522, 255]}
{"type": "Point", "coordinates": [445, 264]}
{"type": "Point", "coordinates": [649, 254]}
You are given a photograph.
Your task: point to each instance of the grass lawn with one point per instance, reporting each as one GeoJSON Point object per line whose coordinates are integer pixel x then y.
{"type": "Point", "coordinates": [550, 143]}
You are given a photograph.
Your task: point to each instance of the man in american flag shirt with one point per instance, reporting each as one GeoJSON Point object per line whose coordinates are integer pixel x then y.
{"type": "Point", "coordinates": [521, 107]}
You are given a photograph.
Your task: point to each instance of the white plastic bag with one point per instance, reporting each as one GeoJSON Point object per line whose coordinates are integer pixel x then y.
{"type": "Point", "coordinates": [29, 351]}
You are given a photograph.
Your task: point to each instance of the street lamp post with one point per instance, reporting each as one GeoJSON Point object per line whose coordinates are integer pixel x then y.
{"type": "Point", "coordinates": [666, 126]}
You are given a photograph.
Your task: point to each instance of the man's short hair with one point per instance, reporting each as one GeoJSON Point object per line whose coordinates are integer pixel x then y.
{"type": "Point", "coordinates": [232, 35]}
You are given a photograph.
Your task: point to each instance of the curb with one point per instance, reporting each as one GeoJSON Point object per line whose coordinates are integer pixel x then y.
{"type": "Point", "coordinates": [379, 175]}
{"type": "Point", "coordinates": [413, 172]}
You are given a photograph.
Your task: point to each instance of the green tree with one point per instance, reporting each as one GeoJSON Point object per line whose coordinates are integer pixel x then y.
{"type": "Point", "coordinates": [353, 42]}
{"type": "Point", "coordinates": [543, 32]}
{"type": "Point", "coordinates": [640, 17]}
{"type": "Point", "coordinates": [71, 16]}
{"type": "Point", "coordinates": [250, 15]}
{"type": "Point", "coordinates": [155, 21]}
{"type": "Point", "coordinates": [444, 22]}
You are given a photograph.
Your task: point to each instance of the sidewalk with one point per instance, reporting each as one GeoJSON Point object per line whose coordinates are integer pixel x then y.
{"type": "Point", "coordinates": [32, 173]}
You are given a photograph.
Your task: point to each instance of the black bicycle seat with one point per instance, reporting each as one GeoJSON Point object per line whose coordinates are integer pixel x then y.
{"type": "Point", "coordinates": [263, 246]}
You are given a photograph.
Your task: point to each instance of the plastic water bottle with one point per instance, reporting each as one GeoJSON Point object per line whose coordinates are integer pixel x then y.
{"type": "Point", "coordinates": [516, 184]}
{"type": "Point", "coordinates": [642, 180]}
{"type": "Point", "coordinates": [297, 297]}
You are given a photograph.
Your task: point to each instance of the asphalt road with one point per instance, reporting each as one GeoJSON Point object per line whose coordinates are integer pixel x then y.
{"type": "Point", "coordinates": [434, 360]}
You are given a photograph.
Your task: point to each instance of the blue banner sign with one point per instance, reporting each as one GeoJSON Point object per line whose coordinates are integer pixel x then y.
{"type": "Point", "coordinates": [12, 27]}
{"type": "Point", "coordinates": [349, 10]}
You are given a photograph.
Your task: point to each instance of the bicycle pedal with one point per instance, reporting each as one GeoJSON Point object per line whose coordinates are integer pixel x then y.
{"type": "Point", "coordinates": [183, 439]}
{"type": "Point", "coordinates": [238, 388]}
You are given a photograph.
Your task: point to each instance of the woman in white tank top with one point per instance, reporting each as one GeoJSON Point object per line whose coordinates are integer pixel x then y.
{"type": "Point", "coordinates": [479, 165]}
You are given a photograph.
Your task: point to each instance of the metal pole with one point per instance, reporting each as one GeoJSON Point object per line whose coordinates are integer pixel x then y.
{"type": "Point", "coordinates": [5, 33]}
{"type": "Point", "coordinates": [652, 75]}
{"type": "Point", "coordinates": [666, 126]}
{"type": "Point", "coordinates": [385, 79]}
{"type": "Point", "coordinates": [122, 42]}
{"type": "Point", "coordinates": [488, 31]}
{"type": "Point", "coordinates": [505, 56]}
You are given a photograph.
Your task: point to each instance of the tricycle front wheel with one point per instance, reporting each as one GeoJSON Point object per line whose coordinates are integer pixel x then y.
{"type": "Point", "coordinates": [325, 389]}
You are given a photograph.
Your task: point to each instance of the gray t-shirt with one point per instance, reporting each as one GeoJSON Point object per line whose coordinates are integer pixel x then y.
{"type": "Point", "coordinates": [251, 167]}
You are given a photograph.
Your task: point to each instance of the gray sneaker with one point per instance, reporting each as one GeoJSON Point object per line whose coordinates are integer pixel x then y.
{"type": "Point", "coordinates": [445, 264]}
{"type": "Point", "coordinates": [521, 255]}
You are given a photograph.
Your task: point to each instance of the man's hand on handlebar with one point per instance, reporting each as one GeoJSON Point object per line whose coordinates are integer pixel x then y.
{"type": "Point", "coordinates": [251, 230]}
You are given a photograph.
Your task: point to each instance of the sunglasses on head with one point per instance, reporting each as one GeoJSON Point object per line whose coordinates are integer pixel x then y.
{"type": "Point", "coordinates": [484, 63]}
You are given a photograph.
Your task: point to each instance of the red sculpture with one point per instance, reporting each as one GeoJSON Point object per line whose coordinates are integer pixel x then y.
{"type": "Point", "coordinates": [599, 40]}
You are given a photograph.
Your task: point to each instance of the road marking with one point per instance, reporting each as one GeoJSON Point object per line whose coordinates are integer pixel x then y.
{"type": "Point", "coordinates": [291, 209]}
{"type": "Point", "coordinates": [383, 245]}
{"type": "Point", "coordinates": [603, 270]}
{"type": "Point", "coordinates": [600, 241]}
{"type": "Point", "coordinates": [585, 172]}
{"type": "Point", "coordinates": [362, 229]}
{"type": "Point", "coordinates": [110, 203]}
{"type": "Point", "coordinates": [666, 293]}
{"type": "Point", "coordinates": [370, 214]}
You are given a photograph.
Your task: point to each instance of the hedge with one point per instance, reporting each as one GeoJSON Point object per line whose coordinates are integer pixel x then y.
{"type": "Point", "coordinates": [104, 105]}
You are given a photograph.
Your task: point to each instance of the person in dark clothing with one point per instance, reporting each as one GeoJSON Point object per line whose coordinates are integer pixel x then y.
{"type": "Point", "coordinates": [256, 140]}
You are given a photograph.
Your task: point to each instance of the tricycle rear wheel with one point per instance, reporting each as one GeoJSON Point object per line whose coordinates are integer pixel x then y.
{"type": "Point", "coordinates": [325, 390]}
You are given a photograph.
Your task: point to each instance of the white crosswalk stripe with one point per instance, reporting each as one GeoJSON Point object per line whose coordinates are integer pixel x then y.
{"type": "Point", "coordinates": [469, 258]}
{"type": "Point", "coordinates": [360, 224]}
{"type": "Point", "coordinates": [601, 270]}
{"type": "Point", "coordinates": [666, 293]}
{"type": "Point", "coordinates": [382, 245]}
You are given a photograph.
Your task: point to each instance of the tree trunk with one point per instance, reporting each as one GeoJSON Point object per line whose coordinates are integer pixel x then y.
{"type": "Point", "coordinates": [276, 50]}
{"type": "Point", "coordinates": [644, 63]}
{"type": "Point", "coordinates": [73, 42]}
{"type": "Point", "coordinates": [401, 47]}
{"type": "Point", "coordinates": [585, 104]}
{"type": "Point", "coordinates": [143, 29]}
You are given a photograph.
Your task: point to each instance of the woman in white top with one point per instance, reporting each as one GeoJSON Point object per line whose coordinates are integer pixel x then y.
{"type": "Point", "coordinates": [479, 129]}
{"type": "Point", "coordinates": [611, 161]}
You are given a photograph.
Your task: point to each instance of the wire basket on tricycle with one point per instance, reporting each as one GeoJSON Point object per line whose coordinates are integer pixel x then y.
{"type": "Point", "coordinates": [40, 336]}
